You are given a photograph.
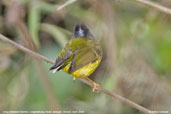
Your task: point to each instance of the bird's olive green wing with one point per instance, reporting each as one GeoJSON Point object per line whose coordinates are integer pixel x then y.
{"type": "Point", "coordinates": [62, 60]}
{"type": "Point", "coordinates": [83, 56]}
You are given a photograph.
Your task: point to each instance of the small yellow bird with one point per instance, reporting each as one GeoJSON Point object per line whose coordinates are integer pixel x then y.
{"type": "Point", "coordinates": [81, 55]}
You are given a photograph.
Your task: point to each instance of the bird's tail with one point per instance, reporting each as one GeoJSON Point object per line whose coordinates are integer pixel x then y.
{"type": "Point", "coordinates": [55, 68]}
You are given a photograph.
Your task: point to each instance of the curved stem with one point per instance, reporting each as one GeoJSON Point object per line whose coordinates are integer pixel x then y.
{"type": "Point", "coordinates": [99, 88]}
{"type": "Point", "coordinates": [156, 6]}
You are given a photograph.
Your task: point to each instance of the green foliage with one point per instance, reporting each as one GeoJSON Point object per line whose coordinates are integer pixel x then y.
{"type": "Point", "coordinates": [136, 40]}
{"type": "Point", "coordinates": [34, 20]}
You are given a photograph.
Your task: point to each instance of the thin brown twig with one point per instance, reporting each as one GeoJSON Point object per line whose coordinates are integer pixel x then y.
{"type": "Point", "coordinates": [99, 88]}
{"type": "Point", "coordinates": [156, 6]}
{"type": "Point", "coordinates": [34, 54]}
{"type": "Point", "coordinates": [66, 4]}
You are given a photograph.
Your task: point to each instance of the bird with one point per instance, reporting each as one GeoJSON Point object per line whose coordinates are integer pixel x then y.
{"type": "Point", "coordinates": [81, 56]}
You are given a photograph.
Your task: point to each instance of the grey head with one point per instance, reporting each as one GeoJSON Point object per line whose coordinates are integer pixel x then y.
{"type": "Point", "coordinates": [82, 31]}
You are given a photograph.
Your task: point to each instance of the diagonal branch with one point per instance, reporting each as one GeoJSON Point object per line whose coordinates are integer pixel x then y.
{"type": "Point", "coordinates": [99, 88]}
{"type": "Point", "coordinates": [32, 53]}
{"type": "Point", "coordinates": [156, 6]}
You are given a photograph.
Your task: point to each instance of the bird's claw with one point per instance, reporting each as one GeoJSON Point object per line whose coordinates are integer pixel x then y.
{"type": "Point", "coordinates": [74, 78]}
{"type": "Point", "coordinates": [95, 85]}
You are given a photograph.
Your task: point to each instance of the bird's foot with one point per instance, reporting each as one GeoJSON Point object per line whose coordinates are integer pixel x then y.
{"type": "Point", "coordinates": [74, 78]}
{"type": "Point", "coordinates": [95, 85]}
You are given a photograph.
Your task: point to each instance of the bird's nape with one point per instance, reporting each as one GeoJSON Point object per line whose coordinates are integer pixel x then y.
{"type": "Point", "coordinates": [82, 31]}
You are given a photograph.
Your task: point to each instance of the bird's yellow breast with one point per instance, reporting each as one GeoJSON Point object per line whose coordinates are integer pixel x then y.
{"type": "Point", "coordinates": [85, 70]}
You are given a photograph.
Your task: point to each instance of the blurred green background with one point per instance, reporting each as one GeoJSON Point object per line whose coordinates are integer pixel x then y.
{"type": "Point", "coordinates": [136, 40]}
